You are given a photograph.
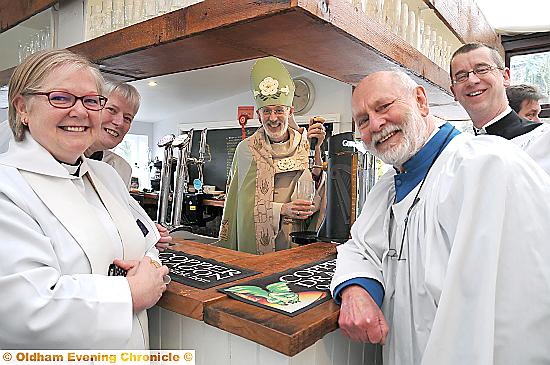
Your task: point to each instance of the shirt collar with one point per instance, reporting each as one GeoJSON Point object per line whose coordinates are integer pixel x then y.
{"type": "Point", "coordinates": [97, 155]}
{"type": "Point", "coordinates": [29, 155]}
{"type": "Point", "coordinates": [483, 130]}
{"type": "Point", "coordinates": [78, 169]}
{"type": "Point", "coordinates": [416, 168]}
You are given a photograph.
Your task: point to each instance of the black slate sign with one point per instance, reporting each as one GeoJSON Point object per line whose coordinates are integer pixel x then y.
{"type": "Point", "coordinates": [290, 292]}
{"type": "Point", "coordinates": [200, 272]}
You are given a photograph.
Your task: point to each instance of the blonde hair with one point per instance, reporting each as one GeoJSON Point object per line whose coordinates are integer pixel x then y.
{"type": "Point", "coordinates": [31, 73]}
{"type": "Point", "coordinates": [126, 91]}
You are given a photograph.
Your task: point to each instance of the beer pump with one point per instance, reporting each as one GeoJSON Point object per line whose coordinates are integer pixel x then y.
{"type": "Point", "coordinates": [350, 176]}
{"type": "Point", "coordinates": [201, 159]}
{"type": "Point", "coordinates": [193, 208]}
{"type": "Point", "coordinates": [182, 144]}
{"type": "Point", "coordinates": [186, 209]}
{"type": "Point", "coordinates": [165, 179]}
{"type": "Point", "coordinates": [365, 174]}
{"type": "Point", "coordinates": [311, 157]}
{"type": "Point", "coordinates": [313, 145]}
{"type": "Point", "coordinates": [202, 154]}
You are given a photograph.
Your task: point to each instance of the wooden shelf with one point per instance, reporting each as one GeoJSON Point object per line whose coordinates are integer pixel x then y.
{"type": "Point", "coordinates": [341, 43]}
{"type": "Point", "coordinates": [14, 12]}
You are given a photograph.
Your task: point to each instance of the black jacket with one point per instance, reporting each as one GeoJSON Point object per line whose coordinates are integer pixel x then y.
{"type": "Point", "coordinates": [511, 126]}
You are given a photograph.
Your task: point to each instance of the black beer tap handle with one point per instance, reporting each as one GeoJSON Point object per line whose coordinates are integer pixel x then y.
{"type": "Point", "coordinates": [312, 143]}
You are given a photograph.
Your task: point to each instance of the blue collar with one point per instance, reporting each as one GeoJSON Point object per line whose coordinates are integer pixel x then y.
{"type": "Point", "coordinates": [416, 168]}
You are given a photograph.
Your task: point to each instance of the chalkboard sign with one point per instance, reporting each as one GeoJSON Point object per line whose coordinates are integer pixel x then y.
{"type": "Point", "coordinates": [222, 144]}
{"type": "Point", "coordinates": [200, 272]}
{"type": "Point", "coordinates": [290, 292]}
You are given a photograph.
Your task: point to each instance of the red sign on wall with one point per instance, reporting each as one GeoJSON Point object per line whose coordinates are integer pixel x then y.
{"type": "Point", "coordinates": [244, 113]}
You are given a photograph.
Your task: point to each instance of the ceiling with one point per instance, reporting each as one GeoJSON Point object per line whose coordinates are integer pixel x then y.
{"type": "Point", "coordinates": [512, 16]}
{"type": "Point", "coordinates": [191, 89]}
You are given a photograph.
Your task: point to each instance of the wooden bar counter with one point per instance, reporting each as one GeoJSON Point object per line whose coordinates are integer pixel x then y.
{"type": "Point", "coordinates": [225, 331]}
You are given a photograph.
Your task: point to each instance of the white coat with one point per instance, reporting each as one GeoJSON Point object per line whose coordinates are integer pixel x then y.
{"type": "Point", "coordinates": [121, 166]}
{"type": "Point", "coordinates": [474, 283]}
{"type": "Point", "coordinates": [537, 145]}
{"type": "Point", "coordinates": [56, 243]}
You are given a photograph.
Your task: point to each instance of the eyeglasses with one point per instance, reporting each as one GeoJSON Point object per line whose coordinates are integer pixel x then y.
{"type": "Point", "coordinates": [479, 71]}
{"type": "Point", "coordinates": [278, 111]}
{"type": "Point", "coordinates": [65, 100]}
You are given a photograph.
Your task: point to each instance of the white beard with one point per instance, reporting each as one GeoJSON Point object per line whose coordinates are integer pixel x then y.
{"type": "Point", "coordinates": [276, 135]}
{"type": "Point", "coordinates": [414, 130]}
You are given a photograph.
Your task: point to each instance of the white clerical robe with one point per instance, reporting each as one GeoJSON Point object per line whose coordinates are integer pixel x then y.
{"type": "Point", "coordinates": [537, 145]}
{"type": "Point", "coordinates": [121, 166]}
{"type": "Point", "coordinates": [474, 287]}
{"type": "Point", "coordinates": [57, 239]}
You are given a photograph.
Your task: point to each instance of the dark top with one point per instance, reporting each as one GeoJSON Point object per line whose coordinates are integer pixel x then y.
{"type": "Point", "coordinates": [511, 126]}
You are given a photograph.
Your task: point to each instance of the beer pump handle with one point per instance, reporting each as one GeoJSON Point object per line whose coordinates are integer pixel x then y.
{"type": "Point", "coordinates": [312, 144]}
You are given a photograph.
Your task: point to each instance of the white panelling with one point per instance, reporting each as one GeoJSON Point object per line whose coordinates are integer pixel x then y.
{"type": "Point", "coordinates": [219, 353]}
{"type": "Point", "coordinates": [214, 346]}
{"type": "Point", "coordinates": [154, 327]}
{"type": "Point", "coordinates": [323, 349]}
{"type": "Point", "coordinates": [355, 356]}
{"type": "Point", "coordinates": [243, 351]}
{"type": "Point", "coordinates": [193, 337]}
{"type": "Point", "coordinates": [340, 348]}
{"type": "Point", "coordinates": [170, 337]}
{"type": "Point", "coordinates": [306, 356]}
{"type": "Point", "coordinates": [268, 356]}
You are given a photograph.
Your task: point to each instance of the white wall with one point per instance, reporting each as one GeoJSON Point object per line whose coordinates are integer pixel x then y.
{"type": "Point", "coordinates": [143, 129]}
{"type": "Point", "coordinates": [331, 97]}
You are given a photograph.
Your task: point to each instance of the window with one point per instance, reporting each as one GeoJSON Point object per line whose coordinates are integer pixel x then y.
{"type": "Point", "coordinates": [532, 69]}
{"type": "Point", "coordinates": [134, 148]}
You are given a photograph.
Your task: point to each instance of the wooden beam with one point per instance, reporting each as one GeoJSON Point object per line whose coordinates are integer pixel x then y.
{"type": "Point", "coordinates": [338, 42]}
{"type": "Point", "coordinates": [287, 335]}
{"type": "Point", "coordinates": [345, 45]}
{"type": "Point", "coordinates": [526, 43]}
{"type": "Point", "coordinates": [14, 12]}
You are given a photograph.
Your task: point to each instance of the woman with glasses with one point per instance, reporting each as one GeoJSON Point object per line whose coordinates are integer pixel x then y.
{"type": "Point", "coordinates": [64, 219]}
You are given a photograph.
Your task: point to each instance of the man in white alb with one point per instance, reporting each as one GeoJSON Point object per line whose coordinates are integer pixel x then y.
{"type": "Point", "coordinates": [448, 261]}
{"type": "Point", "coordinates": [478, 81]}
